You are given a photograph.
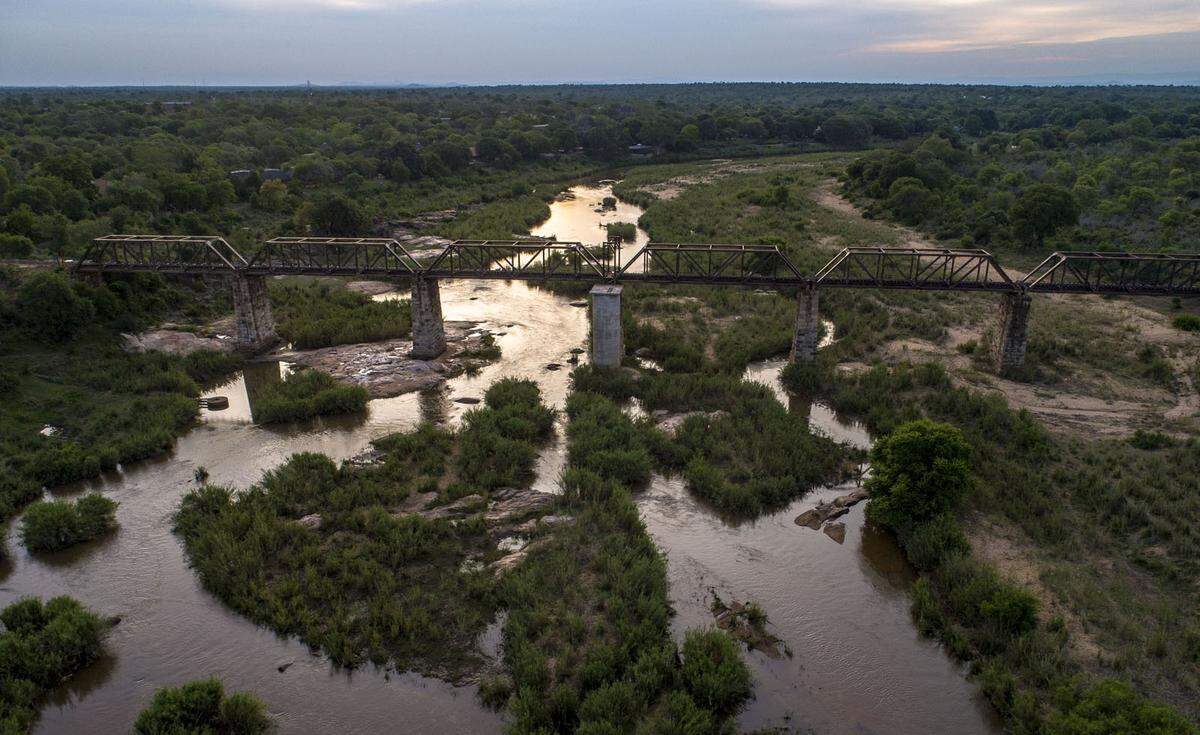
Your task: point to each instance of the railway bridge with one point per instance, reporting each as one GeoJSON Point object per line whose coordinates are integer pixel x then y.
{"type": "Point", "coordinates": [753, 266]}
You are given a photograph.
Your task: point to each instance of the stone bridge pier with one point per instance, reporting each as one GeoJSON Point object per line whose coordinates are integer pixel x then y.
{"type": "Point", "coordinates": [608, 342]}
{"type": "Point", "coordinates": [252, 316]}
{"type": "Point", "coordinates": [1009, 343]}
{"type": "Point", "coordinates": [428, 332]}
{"type": "Point", "coordinates": [808, 326]}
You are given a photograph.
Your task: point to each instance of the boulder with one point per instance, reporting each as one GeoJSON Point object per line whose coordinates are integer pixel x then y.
{"type": "Point", "coordinates": [836, 531]}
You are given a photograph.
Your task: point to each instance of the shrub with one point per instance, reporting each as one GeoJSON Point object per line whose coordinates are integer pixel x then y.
{"type": "Point", "coordinates": [202, 707]}
{"type": "Point", "coordinates": [207, 367]}
{"type": "Point", "coordinates": [625, 231]}
{"type": "Point", "coordinates": [305, 394]}
{"type": "Point", "coordinates": [312, 314]}
{"type": "Point", "coordinates": [57, 524]}
{"type": "Point", "coordinates": [1112, 707]}
{"type": "Point", "coordinates": [713, 671]}
{"type": "Point", "coordinates": [928, 544]}
{"type": "Point", "coordinates": [1187, 322]}
{"type": "Point", "coordinates": [50, 309]}
{"type": "Point", "coordinates": [919, 471]}
{"type": "Point", "coordinates": [40, 646]}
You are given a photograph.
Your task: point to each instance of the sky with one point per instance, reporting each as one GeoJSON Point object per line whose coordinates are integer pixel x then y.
{"type": "Point", "coordinates": [286, 42]}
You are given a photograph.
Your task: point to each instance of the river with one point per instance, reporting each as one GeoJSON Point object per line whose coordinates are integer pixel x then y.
{"type": "Point", "coordinates": [859, 665]}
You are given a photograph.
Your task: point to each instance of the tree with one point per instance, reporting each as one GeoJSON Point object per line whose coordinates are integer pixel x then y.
{"type": "Point", "coordinates": [918, 472]}
{"type": "Point", "coordinates": [337, 216]}
{"type": "Point", "coordinates": [845, 131]}
{"type": "Point", "coordinates": [202, 707]}
{"type": "Point", "coordinates": [1040, 210]}
{"type": "Point", "coordinates": [910, 200]}
{"type": "Point", "coordinates": [50, 309]}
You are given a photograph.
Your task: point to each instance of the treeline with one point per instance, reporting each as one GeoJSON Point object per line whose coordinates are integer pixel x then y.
{"type": "Point", "coordinates": [247, 163]}
{"type": "Point", "coordinates": [1123, 183]}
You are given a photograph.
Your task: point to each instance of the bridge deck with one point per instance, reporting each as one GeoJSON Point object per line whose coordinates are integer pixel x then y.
{"type": "Point", "coordinates": [920, 269]}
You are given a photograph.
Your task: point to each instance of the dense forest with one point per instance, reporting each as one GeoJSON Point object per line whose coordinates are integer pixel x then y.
{"type": "Point", "coordinates": [984, 165]}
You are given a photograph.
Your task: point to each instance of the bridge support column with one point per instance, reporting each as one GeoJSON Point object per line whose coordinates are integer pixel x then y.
{"type": "Point", "coordinates": [808, 326]}
{"type": "Point", "coordinates": [252, 313]}
{"type": "Point", "coordinates": [608, 342]}
{"type": "Point", "coordinates": [1008, 347]}
{"type": "Point", "coordinates": [428, 332]}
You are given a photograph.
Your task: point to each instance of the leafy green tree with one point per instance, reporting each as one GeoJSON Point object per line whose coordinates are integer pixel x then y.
{"type": "Point", "coordinates": [15, 246]}
{"type": "Point", "coordinates": [910, 200]}
{"type": "Point", "coordinates": [918, 472]}
{"type": "Point", "coordinates": [50, 309]}
{"type": "Point", "coordinates": [846, 131]}
{"type": "Point", "coordinates": [202, 707]}
{"type": "Point", "coordinates": [337, 215]}
{"type": "Point", "coordinates": [1041, 210]}
{"type": "Point", "coordinates": [1112, 707]}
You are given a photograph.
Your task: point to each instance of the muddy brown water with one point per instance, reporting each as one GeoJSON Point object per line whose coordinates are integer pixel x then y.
{"type": "Point", "coordinates": [858, 666]}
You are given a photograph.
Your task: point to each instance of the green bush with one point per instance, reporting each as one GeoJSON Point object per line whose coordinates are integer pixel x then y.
{"type": "Point", "coordinates": [57, 524]}
{"type": "Point", "coordinates": [1187, 322]}
{"type": "Point", "coordinates": [208, 367]}
{"type": "Point", "coordinates": [305, 394]}
{"type": "Point", "coordinates": [919, 471]}
{"type": "Point", "coordinates": [311, 314]}
{"type": "Point", "coordinates": [1111, 707]}
{"type": "Point", "coordinates": [50, 309]}
{"type": "Point", "coordinates": [40, 646]}
{"type": "Point", "coordinates": [202, 707]}
{"type": "Point", "coordinates": [625, 231]}
{"type": "Point", "coordinates": [713, 671]}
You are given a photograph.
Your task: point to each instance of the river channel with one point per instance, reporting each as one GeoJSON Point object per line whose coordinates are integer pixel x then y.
{"type": "Point", "coordinates": [858, 664]}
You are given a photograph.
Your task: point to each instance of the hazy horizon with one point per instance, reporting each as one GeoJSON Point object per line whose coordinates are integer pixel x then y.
{"type": "Point", "coordinates": [502, 42]}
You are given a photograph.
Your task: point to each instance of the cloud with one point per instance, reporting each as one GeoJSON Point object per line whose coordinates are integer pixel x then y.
{"type": "Point", "coordinates": [937, 26]}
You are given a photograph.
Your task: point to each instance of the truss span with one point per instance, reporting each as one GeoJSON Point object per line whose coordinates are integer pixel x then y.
{"type": "Point", "coordinates": [177, 254]}
{"type": "Point", "coordinates": [920, 269]}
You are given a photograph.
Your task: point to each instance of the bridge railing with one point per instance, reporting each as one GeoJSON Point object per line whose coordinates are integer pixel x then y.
{"type": "Point", "coordinates": [161, 253]}
{"type": "Point", "coordinates": [517, 259]}
{"type": "Point", "coordinates": [358, 256]}
{"type": "Point", "coordinates": [1130, 273]}
{"type": "Point", "coordinates": [715, 264]}
{"type": "Point", "coordinates": [920, 269]}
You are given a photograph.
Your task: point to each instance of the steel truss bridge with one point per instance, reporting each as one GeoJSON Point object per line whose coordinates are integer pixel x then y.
{"type": "Point", "coordinates": [920, 269]}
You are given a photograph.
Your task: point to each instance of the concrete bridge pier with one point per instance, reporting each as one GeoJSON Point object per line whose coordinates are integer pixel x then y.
{"type": "Point", "coordinates": [808, 326]}
{"type": "Point", "coordinates": [608, 343]}
{"type": "Point", "coordinates": [252, 313]}
{"type": "Point", "coordinates": [1008, 346]}
{"type": "Point", "coordinates": [428, 332]}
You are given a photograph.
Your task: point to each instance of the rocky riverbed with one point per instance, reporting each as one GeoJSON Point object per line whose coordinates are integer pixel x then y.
{"type": "Point", "coordinates": [385, 369]}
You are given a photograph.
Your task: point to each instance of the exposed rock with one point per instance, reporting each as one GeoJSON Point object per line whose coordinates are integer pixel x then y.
{"type": "Point", "coordinates": [672, 421]}
{"type": "Point", "coordinates": [577, 350]}
{"type": "Point", "coordinates": [553, 366]}
{"type": "Point", "coordinates": [416, 502]}
{"type": "Point", "coordinates": [839, 506]}
{"type": "Point", "coordinates": [737, 620]}
{"type": "Point", "coordinates": [284, 665]}
{"type": "Point", "coordinates": [468, 400]}
{"type": "Point", "coordinates": [579, 304]}
{"type": "Point", "coordinates": [836, 531]}
{"type": "Point", "coordinates": [642, 352]}
{"type": "Point", "coordinates": [456, 509]}
{"type": "Point", "coordinates": [370, 288]}
{"type": "Point", "coordinates": [387, 369]}
{"type": "Point", "coordinates": [510, 503]}
{"type": "Point", "coordinates": [811, 518]}
{"type": "Point", "coordinates": [510, 561]}
{"type": "Point", "coordinates": [174, 342]}
{"type": "Point", "coordinates": [531, 525]}
{"type": "Point", "coordinates": [311, 521]}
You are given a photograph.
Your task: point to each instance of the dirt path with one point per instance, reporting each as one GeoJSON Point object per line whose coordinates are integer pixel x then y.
{"type": "Point", "coordinates": [722, 167]}
{"type": "Point", "coordinates": [1118, 409]}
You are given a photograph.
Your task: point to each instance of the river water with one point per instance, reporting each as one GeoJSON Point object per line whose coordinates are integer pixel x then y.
{"type": "Point", "coordinates": [858, 665]}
